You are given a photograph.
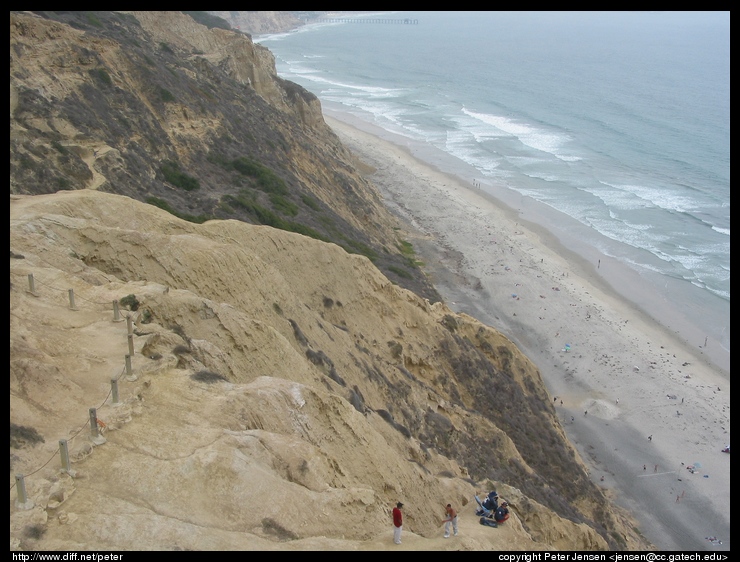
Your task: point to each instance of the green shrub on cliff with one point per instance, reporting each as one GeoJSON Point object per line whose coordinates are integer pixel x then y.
{"type": "Point", "coordinates": [267, 180]}
{"type": "Point", "coordinates": [177, 177]}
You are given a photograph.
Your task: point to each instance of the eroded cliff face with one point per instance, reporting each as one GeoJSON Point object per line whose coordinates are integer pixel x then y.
{"type": "Point", "coordinates": [248, 63]}
{"type": "Point", "coordinates": [159, 108]}
{"type": "Point", "coordinates": [271, 368]}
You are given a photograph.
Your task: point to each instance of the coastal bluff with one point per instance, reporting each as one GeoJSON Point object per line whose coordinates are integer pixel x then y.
{"type": "Point", "coordinates": [287, 384]}
{"type": "Point", "coordinates": [283, 393]}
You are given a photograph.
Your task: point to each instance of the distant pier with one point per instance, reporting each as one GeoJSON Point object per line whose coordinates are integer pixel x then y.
{"type": "Point", "coordinates": [407, 21]}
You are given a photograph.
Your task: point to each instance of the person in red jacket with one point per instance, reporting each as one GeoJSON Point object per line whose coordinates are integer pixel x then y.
{"type": "Point", "coordinates": [397, 523]}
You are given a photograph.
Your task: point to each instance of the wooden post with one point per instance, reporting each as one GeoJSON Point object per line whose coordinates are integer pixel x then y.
{"type": "Point", "coordinates": [95, 435]}
{"type": "Point", "coordinates": [64, 454]}
{"type": "Point", "coordinates": [116, 312]}
{"type": "Point", "coordinates": [22, 502]}
{"type": "Point", "coordinates": [128, 365]}
{"type": "Point", "coordinates": [20, 484]}
{"type": "Point", "coordinates": [114, 390]}
{"type": "Point", "coordinates": [93, 424]}
{"type": "Point", "coordinates": [72, 299]}
{"type": "Point", "coordinates": [31, 286]}
{"type": "Point", "coordinates": [131, 345]}
{"type": "Point", "coordinates": [130, 326]}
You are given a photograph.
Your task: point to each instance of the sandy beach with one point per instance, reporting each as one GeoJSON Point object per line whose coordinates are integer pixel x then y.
{"type": "Point", "coordinates": [616, 374]}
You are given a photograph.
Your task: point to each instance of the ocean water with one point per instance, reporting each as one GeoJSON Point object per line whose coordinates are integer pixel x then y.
{"type": "Point", "coordinates": [618, 122]}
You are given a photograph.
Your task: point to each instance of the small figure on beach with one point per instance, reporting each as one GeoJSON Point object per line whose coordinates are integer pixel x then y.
{"type": "Point", "coordinates": [572, 419]}
{"type": "Point", "coordinates": [713, 540]}
{"type": "Point", "coordinates": [598, 266]}
{"type": "Point", "coordinates": [585, 413]}
{"type": "Point", "coordinates": [644, 467]}
{"type": "Point", "coordinates": [617, 401]}
{"type": "Point", "coordinates": [650, 437]}
{"type": "Point", "coordinates": [656, 468]}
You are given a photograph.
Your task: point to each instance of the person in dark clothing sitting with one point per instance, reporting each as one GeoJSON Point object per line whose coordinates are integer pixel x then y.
{"type": "Point", "coordinates": [502, 513]}
{"type": "Point", "coordinates": [491, 502]}
{"type": "Point", "coordinates": [489, 505]}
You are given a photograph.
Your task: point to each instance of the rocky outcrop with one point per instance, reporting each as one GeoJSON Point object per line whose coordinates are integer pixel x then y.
{"type": "Point", "coordinates": [248, 63]}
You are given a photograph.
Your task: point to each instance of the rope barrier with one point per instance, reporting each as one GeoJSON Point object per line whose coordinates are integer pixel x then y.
{"type": "Point", "coordinates": [113, 388]}
{"type": "Point", "coordinates": [33, 282]}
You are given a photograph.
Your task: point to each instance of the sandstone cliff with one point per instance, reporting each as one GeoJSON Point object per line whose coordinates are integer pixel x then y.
{"type": "Point", "coordinates": [157, 107]}
{"type": "Point", "coordinates": [284, 392]}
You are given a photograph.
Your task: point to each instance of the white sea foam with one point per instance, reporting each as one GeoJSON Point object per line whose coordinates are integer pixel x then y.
{"type": "Point", "coordinates": [296, 69]}
{"type": "Point", "coordinates": [479, 131]}
{"type": "Point", "coordinates": [462, 144]}
{"type": "Point", "coordinates": [522, 161]}
{"type": "Point", "coordinates": [531, 136]}
{"type": "Point", "coordinates": [661, 197]}
{"type": "Point", "coordinates": [351, 89]}
{"type": "Point", "coordinates": [618, 199]}
{"type": "Point", "coordinates": [544, 176]}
